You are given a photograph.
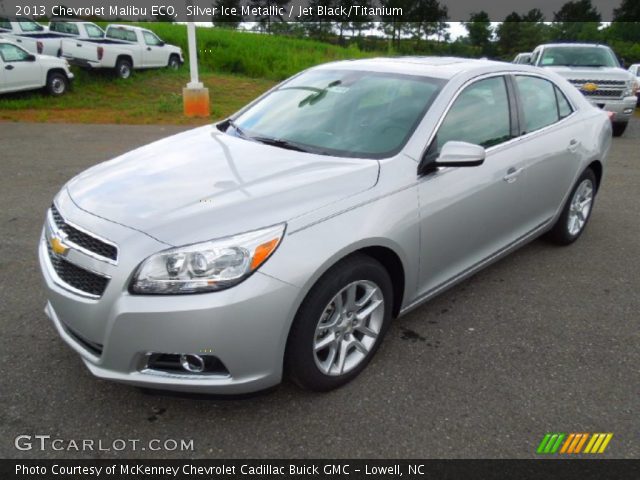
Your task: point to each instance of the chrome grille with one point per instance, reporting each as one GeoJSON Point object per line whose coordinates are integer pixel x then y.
{"type": "Point", "coordinates": [76, 277]}
{"type": "Point", "coordinates": [603, 93]}
{"type": "Point", "coordinates": [615, 83]}
{"type": "Point", "coordinates": [84, 240]}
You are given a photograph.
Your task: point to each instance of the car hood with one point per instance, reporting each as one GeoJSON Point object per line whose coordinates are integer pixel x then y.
{"type": "Point", "coordinates": [204, 184]}
{"type": "Point", "coordinates": [592, 73]}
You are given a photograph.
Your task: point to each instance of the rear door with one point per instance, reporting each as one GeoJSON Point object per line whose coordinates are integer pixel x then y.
{"type": "Point", "coordinates": [551, 142]}
{"type": "Point", "coordinates": [20, 73]}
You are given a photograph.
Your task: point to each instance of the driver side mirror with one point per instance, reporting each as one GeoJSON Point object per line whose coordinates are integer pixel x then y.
{"type": "Point", "coordinates": [161, 43]}
{"type": "Point", "coordinates": [454, 154]}
{"type": "Point", "coordinates": [30, 58]}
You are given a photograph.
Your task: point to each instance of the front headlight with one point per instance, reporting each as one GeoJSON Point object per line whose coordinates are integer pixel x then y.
{"type": "Point", "coordinates": [207, 266]}
{"type": "Point", "coordinates": [631, 88]}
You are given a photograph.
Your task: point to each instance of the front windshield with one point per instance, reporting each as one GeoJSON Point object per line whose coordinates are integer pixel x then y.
{"type": "Point", "coordinates": [29, 26]}
{"type": "Point", "coordinates": [579, 57]}
{"type": "Point", "coordinates": [338, 112]}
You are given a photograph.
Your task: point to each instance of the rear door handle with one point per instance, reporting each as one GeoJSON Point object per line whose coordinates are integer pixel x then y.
{"type": "Point", "coordinates": [78, 44]}
{"type": "Point", "coordinates": [573, 145]}
{"type": "Point", "coordinates": [149, 48]}
{"type": "Point", "coordinates": [9, 67]}
{"type": "Point", "coordinates": [512, 174]}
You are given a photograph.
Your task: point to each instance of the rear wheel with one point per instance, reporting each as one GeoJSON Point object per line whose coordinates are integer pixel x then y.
{"type": "Point", "coordinates": [576, 212]}
{"type": "Point", "coordinates": [619, 128]}
{"type": "Point", "coordinates": [57, 84]}
{"type": "Point", "coordinates": [124, 68]}
{"type": "Point", "coordinates": [340, 324]}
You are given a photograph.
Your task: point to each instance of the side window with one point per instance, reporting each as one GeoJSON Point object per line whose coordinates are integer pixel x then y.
{"type": "Point", "coordinates": [150, 39]}
{"type": "Point", "coordinates": [93, 31]}
{"type": "Point", "coordinates": [564, 107]}
{"type": "Point", "coordinates": [11, 53]}
{"type": "Point", "coordinates": [479, 115]}
{"type": "Point", "coordinates": [539, 103]}
{"type": "Point", "coordinates": [5, 24]}
{"type": "Point", "coordinates": [64, 27]}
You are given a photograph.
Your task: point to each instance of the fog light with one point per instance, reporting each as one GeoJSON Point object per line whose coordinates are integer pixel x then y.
{"type": "Point", "coordinates": [192, 363]}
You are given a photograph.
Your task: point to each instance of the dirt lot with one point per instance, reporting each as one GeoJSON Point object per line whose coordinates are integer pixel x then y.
{"type": "Point", "coordinates": [546, 340]}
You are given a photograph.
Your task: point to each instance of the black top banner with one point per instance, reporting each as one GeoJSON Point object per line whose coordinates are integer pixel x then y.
{"type": "Point", "coordinates": [318, 10]}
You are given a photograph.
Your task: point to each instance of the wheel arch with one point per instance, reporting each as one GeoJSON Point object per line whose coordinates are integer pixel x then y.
{"type": "Point", "coordinates": [597, 168]}
{"type": "Point", "coordinates": [124, 56]}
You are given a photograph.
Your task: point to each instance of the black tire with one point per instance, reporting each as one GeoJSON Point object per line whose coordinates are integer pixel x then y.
{"type": "Point", "coordinates": [174, 62]}
{"type": "Point", "coordinates": [561, 233]}
{"type": "Point", "coordinates": [619, 128]}
{"type": "Point", "coordinates": [300, 358]}
{"type": "Point", "coordinates": [57, 84]}
{"type": "Point", "coordinates": [124, 68]}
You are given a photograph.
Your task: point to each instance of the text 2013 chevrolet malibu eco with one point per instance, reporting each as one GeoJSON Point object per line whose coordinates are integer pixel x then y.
{"type": "Point", "coordinates": [286, 238]}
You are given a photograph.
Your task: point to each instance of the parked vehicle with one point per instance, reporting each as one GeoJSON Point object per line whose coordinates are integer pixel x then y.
{"type": "Point", "coordinates": [21, 26]}
{"type": "Point", "coordinates": [635, 71]}
{"type": "Point", "coordinates": [287, 237]}
{"type": "Point", "coordinates": [522, 58]}
{"type": "Point", "coordinates": [596, 72]}
{"type": "Point", "coordinates": [48, 40]}
{"type": "Point", "coordinates": [21, 70]}
{"type": "Point", "coordinates": [124, 49]}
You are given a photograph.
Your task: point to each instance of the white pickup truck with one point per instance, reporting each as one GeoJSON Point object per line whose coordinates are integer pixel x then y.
{"type": "Point", "coordinates": [36, 38]}
{"type": "Point", "coordinates": [21, 70]}
{"type": "Point", "coordinates": [596, 72]}
{"type": "Point", "coordinates": [124, 48]}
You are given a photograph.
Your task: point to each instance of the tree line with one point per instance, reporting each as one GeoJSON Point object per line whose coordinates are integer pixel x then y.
{"type": "Point", "coordinates": [576, 20]}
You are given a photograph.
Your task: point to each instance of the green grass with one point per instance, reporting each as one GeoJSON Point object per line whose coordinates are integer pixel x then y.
{"type": "Point", "coordinates": [148, 97]}
{"type": "Point", "coordinates": [252, 54]}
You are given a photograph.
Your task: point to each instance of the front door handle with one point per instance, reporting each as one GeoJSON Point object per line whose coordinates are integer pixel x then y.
{"type": "Point", "coordinates": [512, 174]}
{"type": "Point", "coordinates": [9, 67]}
{"type": "Point", "coordinates": [149, 48]}
{"type": "Point", "coordinates": [573, 145]}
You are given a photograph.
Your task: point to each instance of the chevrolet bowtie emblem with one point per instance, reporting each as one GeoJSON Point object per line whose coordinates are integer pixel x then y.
{"type": "Point", "coordinates": [589, 87]}
{"type": "Point", "coordinates": [57, 246]}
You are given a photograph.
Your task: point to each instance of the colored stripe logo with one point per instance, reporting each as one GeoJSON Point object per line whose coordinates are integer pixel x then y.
{"type": "Point", "coordinates": [573, 443]}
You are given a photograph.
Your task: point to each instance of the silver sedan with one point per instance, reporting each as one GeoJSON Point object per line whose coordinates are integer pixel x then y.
{"type": "Point", "coordinates": [286, 238]}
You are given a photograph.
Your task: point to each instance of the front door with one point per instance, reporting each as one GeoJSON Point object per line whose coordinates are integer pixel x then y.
{"type": "Point", "coordinates": [468, 214]}
{"type": "Point", "coordinates": [20, 71]}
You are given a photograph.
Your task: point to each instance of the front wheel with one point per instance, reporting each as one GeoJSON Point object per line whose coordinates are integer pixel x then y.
{"type": "Point", "coordinates": [174, 62]}
{"type": "Point", "coordinates": [576, 212]}
{"type": "Point", "coordinates": [57, 84]}
{"type": "Point", "coordinates": [340, 324]}
{"type": "Point", "coordinates": [619, 128]}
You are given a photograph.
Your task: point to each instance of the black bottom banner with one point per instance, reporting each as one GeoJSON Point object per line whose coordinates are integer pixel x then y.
{"type": "Point", "coordinates": [334, 469]}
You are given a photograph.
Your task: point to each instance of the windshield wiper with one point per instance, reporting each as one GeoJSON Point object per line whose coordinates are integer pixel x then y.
{"type": "Point", "coordinates": [278, 142]}
{"type": "Point", "coordinates": [234, 125]}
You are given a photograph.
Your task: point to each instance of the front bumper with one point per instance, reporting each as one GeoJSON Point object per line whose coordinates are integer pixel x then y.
{"type": "Point", "coordinates": [245, 327]}
{"type": "Point", "coordinates": [622, 109]}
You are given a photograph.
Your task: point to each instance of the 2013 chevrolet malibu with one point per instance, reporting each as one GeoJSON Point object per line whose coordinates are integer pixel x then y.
{"type": "Point", "coordinates": [287, 237]}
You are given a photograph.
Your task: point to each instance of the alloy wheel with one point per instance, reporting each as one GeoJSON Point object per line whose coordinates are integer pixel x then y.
{"type": "Point", "coordinates": [348, 328]}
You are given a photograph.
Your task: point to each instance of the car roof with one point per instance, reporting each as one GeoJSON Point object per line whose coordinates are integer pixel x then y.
{"type": "Point", "coordinates": [130, 27]}
{"type": "Point", "coordinates": [599, 45]}
{"type": "Point", "coordinates": [438, 67]}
